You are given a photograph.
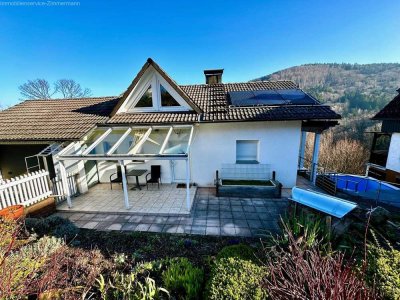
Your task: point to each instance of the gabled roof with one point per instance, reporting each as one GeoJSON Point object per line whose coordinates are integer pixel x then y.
{"type": "Point", "coordinates": [54, 120]}
{"type": "Point", "coordinates": [391, 111]}
{"type": "Point", "coordinates": [152, 63]}
{"type": "Point", "coordinates": [213, 101]}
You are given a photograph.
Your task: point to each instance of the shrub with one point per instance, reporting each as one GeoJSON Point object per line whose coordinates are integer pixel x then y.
{"type": "Point", "coordinates": [66, 231]}
{"type": "Point", "coordinates": [52, 225]}
{"type": "Point", "coordinates": [233, 278]}
{"type": "Point", "coordinates": [45, 246]}
{"type": "Point", "coordinates": [128, 286]}
{"type": "Point", "coordinates": [17, 263]}
{"type": "Point", "coordinates": [72, 272]}
{"type": "Point", "coordinates": [183, 279]}
{"type": "Point", "coordinates": [384, 267]}
{"type": "Point", "coordinates": [298, 272]}
{"type": "Point", "coordinates": [237, 251]}
{"type": "Point", "coordinates": [308, 230]}
{"type": "Point", "coordinates": [43, 226]}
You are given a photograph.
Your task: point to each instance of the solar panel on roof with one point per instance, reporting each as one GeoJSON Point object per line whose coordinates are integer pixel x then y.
{"type": "Point", "coordinates": [296, 96]}
{"type": "Point", "coordinates": [270, 97]}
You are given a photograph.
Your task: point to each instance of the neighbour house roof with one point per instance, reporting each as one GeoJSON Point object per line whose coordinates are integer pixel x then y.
{"type": "Point", "coordinates": [70, 119]}
{"type": "Point", "coordinates": [54, 120]}
{"type": "Point", "coordinates": [391, 111]}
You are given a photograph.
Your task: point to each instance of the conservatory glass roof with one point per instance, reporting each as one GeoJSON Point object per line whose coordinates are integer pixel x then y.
{"type": "Point", "coordinates": [114, 143]}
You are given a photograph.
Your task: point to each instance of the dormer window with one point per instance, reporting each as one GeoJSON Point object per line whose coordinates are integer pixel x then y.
{"type": "Point", "coordinates": [154, 91]}
{"type": "Point", "coordinates": [157, 95]}
{"type": "Point", "coordinates": [166, 98]}
{"type": "Point", "coordinates": [147, 99]}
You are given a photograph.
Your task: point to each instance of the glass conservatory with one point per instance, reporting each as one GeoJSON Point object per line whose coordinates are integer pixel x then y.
{"type": "Point", "coordinates": [130, 143]}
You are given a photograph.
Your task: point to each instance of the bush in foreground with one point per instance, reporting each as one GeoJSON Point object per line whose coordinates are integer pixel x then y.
{"type": "Point", "coordinates": [384, 267]}
{"type": "Point", "coordinates": [234, 278]}
{"type": "Point", "coordinates": [299, 272]}
{"type": "Point", "coordinates": [183, 279]}
{"type": "Point", "coordinates": [237, 251]}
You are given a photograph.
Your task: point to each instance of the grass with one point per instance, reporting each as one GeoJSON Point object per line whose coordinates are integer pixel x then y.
{"type": "Point", "coordinates": [247, 182]}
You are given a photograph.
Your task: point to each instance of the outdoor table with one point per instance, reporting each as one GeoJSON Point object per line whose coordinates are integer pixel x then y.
{"type": "Point", "coordinates": [136, 173]}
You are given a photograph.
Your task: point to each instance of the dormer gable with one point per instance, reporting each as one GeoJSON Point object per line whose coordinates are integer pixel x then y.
{"type": "Point", "coordinates": [153, 90]}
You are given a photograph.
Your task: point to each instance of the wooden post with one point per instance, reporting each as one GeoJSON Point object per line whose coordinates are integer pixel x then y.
{"type": "Point", "coordinates": [124, 184]}
{"type": "Point", "coordinates": [328, 221]}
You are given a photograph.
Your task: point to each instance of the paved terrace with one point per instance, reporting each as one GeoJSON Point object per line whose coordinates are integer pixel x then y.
{"type": "Point", "coordinates": [210, 215]}
{"type": "Point", "coordinates": [166, 200]}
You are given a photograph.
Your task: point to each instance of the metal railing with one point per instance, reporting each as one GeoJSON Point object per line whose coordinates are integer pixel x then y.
{"type": "Point", "coordinates": [330, 180]}
{"type": "Point", "coordinates": [318, 175]}
{"type": "Point", "coordinates": [353, 186]}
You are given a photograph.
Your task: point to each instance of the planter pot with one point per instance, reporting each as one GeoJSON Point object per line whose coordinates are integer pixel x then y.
{"type": "Point", "coordinates": [13, 212]}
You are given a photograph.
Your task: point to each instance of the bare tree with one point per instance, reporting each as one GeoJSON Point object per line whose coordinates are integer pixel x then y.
{"type": "Point", "coordinates": [344, 155]}
{"type": "Point", "coordinates": [69, 88]}
{"type": "Point", "coordinates": [36, 89]}
{"type": "Point", "coordinates": [64, 88]}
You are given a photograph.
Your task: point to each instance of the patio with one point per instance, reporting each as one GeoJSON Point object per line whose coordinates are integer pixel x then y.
{"type": "Point", "coordinates": [210, 215]}
{"type": "Point", "coordinates": [167, 200]}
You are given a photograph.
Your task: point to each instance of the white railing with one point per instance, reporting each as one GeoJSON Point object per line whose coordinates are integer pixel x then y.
{"type": "Point", "coordinates": [25, 189]}
{"type": "Point", "coordinates": [58, 187]}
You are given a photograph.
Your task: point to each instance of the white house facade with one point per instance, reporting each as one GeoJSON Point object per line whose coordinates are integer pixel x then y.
{"type": "Point", "coordinates": [188, 130]}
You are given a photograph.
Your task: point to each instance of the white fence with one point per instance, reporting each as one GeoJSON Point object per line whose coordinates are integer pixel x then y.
{"type": "Point", "coordinates": [24, 190]}
{"type": "Point", "coordinates": [58, 188]}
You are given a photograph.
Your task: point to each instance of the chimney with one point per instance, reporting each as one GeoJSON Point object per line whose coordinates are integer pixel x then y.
{"type": "Point", "coordinates": [213, 76]}
{"type": "Point", "coordinates": [398, 90]}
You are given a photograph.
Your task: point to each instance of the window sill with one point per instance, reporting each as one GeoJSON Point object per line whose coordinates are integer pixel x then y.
{"type": "Point", "coordinates": [247, 162]}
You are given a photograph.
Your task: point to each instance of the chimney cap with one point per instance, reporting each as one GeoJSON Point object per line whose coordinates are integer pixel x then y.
{"type": "Point", "coordinates": [213, 71]}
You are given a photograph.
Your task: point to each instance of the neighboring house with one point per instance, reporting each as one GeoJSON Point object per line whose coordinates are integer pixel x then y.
{"type": "Point", "coordinates": [384, 161]}
{"type": "Point", "coordinates": [157, 121]}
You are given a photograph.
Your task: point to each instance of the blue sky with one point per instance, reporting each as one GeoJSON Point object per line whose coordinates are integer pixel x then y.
{"type": "Point", "coordinates": [103, 44]}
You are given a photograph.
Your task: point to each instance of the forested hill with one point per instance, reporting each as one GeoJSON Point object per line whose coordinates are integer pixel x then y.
{"type": "Point", "coordinates": [351, 88]}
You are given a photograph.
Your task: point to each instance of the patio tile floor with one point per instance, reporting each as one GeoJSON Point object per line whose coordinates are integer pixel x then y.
{"type": "Point", "coordinates": [210, 215]}
{"type": "Point", "coordinates": [101, 199]}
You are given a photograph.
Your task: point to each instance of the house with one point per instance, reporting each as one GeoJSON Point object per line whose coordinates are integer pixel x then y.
{"type": "Point", "coordinates": [189, 130]}
{"type": "Point", "coordinates": [384, 161]}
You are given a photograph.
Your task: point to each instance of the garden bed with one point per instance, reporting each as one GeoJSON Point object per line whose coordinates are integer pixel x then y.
{"type": "Point", "coordinates": [233, 182]}
{"type": "Point", "coordinates": [244, 188]}
{"type": "Point", "coordinates": [61, 261]}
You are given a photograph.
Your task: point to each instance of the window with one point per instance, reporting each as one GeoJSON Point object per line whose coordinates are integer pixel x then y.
{"type": "Point", "coordinates": [380, 148]}
{"type": "Point", "coordinates": [247, 151]}
{"type": "Point", "coordinates": [146, 100]}
{"type": "Point", "coordinates": [155, 94]}
{"type": "Point", "coordinates": [166, 98]}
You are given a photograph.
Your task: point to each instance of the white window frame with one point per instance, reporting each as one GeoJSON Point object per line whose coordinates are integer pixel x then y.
{"type": "Point", "coordinates": [155, 82]}
{"type": "Point", "coordinates": [257, 142]}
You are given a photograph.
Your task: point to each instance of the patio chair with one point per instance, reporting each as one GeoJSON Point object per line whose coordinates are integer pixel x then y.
{"type": "Point", "coordinates": [155, 176]}
{"type": "Point", "coordinates": [118, 178]}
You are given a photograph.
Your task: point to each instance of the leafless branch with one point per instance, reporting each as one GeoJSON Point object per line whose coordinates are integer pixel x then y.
{"type": "Point", "coordinates": [36, 89]}
{"type": "Point", "coordinates": [69, 88]}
